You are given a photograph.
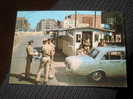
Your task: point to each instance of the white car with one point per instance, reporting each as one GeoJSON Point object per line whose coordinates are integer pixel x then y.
{"type": "Point", "coordinates": [100, 63]}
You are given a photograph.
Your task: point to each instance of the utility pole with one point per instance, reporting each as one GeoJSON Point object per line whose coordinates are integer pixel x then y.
{"type": "Point", "coordinates": [74, 32]}
{"type": "Point", "coordinates": [75, 18]}
{"type": "Point", "coordinates": [123, 34]}
{"type": "Point", "coordinates": [95, 20]}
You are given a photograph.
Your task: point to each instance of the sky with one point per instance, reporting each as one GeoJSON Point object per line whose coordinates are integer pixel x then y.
{"type": "Point", "coordinates": [34, 17]}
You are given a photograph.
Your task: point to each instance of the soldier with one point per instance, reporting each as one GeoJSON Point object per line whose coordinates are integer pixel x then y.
{"type": "Point", "coordinates": [45, 61]}
{"type": "Point", "coordinates": [51, 68]}
{"type": "Point", "coordinates": [30, 54]}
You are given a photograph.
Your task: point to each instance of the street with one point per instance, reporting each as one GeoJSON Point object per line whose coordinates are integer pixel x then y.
{"type": "Point", "coordinates": [62, 78]}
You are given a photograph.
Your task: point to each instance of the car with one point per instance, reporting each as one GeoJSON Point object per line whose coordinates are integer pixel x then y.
{"type": "Point", "coordinates": [100, 63]}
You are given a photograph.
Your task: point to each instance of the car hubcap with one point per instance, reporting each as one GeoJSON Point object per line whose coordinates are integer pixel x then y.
{"type": "Point", "coordinates": [97, 76]}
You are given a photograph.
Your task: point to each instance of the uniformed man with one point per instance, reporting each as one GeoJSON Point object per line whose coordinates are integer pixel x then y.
{"type": "Point", "coordinates": [30, 54]}
{"type": "Point", "coordinates": [51, 68]}
{"type": "Point", "coordinates": [45, 61]}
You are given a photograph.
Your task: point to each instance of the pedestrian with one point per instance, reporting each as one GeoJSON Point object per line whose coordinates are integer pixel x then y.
{"type": "Point", "coordinates": [30, 54]}
{"type": "Point", "coordinates": [51, 67]}
{"type": "Point", "coordinates": [45, 61]}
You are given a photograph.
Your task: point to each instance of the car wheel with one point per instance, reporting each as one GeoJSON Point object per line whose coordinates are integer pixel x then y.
{"type": "Point", "coordinates": [98, 75]}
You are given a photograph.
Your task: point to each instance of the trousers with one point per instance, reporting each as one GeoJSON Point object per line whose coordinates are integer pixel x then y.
{"type": "Point", "coordinates": [44, 66]}
{"type": "Point", "coordinates": [28, 66]}
{"type": "Point", "coordinates": [52, 68]}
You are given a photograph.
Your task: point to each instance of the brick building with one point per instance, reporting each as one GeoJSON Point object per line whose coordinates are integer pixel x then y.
{"type": "Point", "coordinates": [82, 21]}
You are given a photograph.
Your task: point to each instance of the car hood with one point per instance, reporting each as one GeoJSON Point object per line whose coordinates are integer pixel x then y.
{"type": "Point", "coordinates": [79, 58]}
{"type": "Point", "coordinates": [77, 61]}
{"type": "Point", "coordinates": [85, 58]}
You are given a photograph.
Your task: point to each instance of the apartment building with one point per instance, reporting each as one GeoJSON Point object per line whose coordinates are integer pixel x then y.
{"type": "Point", "coordinates": [45, 24]}
{"type": "Point", "coordinates": [22, 24]}
{"type": "Point", "coordinates": [82, 20]}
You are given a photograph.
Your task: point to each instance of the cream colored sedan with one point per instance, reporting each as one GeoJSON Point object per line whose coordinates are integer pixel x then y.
{"type": "Point", "coordinates": [100, 63]}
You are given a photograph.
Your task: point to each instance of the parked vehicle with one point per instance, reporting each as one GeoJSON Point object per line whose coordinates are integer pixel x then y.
{"type": "Point", "coordinates": [100, 63]}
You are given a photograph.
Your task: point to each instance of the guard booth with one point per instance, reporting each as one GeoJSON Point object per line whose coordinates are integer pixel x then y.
{"type": "Point", "coordinates": [74, 38]}
{"type": "Point", "coordinates": [69, 40]}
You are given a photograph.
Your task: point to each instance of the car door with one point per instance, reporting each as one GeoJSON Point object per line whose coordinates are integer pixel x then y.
{"type": "Point", "coordinates": [113, 64]}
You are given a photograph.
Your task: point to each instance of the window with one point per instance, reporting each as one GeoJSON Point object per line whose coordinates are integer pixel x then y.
{"type": "Point", "coordinates": [78, 38]}
{"type": "Point", "coordinates": [96, 37]}
{"type": "Point", "coordinates": [114, 55]}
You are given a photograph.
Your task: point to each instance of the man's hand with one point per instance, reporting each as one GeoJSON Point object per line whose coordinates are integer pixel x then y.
{"type": "Point", "coordinates": [36, 53]}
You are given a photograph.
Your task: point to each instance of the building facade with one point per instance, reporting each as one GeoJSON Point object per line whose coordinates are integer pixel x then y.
{"type": "Point", "coordinates": [22, 25]}
{"type": "Point", "coordinates": [45, 24]}
{"type": "Point", "coordinates": [113, 19]}
{"type": "Point", "coordinates": [115, 22]}
{"type": "Point", "coordinates": [82, 20]}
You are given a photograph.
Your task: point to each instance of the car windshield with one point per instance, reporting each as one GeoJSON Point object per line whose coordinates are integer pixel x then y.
{"type": "Point", "coordinates": [93, 53]}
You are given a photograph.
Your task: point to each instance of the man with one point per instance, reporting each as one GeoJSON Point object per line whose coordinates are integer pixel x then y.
{"type": "Point", "coordinates": [87, 44]}
{"type": "Point", "coordinates": [80, 51]}
{"type": "Point", "coordinates": [101, 43]}
{"type": "Point", "coordinates": [45, 61]}
{"type": "Point", "coordinates": [51, 68]}
{"type": "Point", "coordinates": [30, 54]}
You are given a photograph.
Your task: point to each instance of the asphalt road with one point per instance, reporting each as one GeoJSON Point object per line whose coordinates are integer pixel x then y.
{"type": "Point", "coordinates": [62, 78]}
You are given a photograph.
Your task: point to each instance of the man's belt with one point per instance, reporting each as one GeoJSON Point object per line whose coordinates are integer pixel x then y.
{"type": "Point", "coordinates": [45, 55]}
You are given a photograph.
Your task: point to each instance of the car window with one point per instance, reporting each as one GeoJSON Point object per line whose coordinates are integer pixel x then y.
{"type": "Point", "coordinates": [114, 55]}
{"type": "Point", "coordinates": [93, 53]}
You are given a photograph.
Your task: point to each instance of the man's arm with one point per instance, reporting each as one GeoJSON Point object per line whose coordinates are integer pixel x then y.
{"type": "Point", "coordinates": [30, 51]}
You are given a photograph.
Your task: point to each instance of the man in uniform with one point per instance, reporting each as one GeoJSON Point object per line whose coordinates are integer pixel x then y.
{"type": "Point", "coordinates": [51, 68]}
{"type": "Point", "coordinates": [45, 61]}
{"type": "Point", "coordinates": [30, 54]}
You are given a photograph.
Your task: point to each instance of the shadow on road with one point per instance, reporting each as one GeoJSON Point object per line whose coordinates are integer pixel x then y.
{"type": "Point", "coordinates": [69, 78]}
{"type": "Point", "coordinates": [21, 77]}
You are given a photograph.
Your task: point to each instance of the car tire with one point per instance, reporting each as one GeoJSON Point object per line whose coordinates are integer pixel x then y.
{"type": "Point", "coordinates": [98, 76]}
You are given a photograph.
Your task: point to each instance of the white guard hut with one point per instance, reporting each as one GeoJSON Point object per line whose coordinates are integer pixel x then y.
{"type": "Point", "coordinates": [69, 40]}
{"type": "Point", "coordinates": [74, 38]}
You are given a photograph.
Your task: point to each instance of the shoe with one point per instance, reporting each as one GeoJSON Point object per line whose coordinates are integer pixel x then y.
{"type": "Point", "coordinates": [51, 77]}
{"type": "Point", "coordinates": [45, 82]}
{"type": "Point", "coordinates": [27, 77]}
